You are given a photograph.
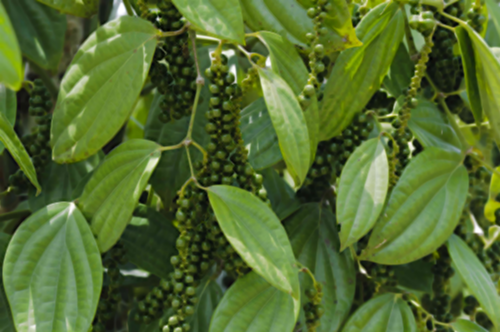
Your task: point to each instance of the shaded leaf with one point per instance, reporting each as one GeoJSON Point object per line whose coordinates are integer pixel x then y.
{"type": "Point", "coordinates": [463, 325]}
{"type": "Point", "coordinates": [8, 106]}
{"type": "Point", "coordinates": [416, 275]}
{"type": "Point", "coordinates": [210, 294]}
{"type": "Point", "coordinates": [281, 195]}
{"type": "Point", "coordinates": [6, 322]}
{"type": "Point", "coordinates": [101, 86]}
{"type": "Point", "coordinates": [11, 67]}
{"type": "Point", "coordinates": [113, 191]}
{"type": "Point", "coordinates": [257, 235]}
{"type": "Point", "coordinates": [53, 272]}
{"type": "Point", "coordinates": [263, 309]}
{"type": "Point", "coordinates": [399, 76]}
{"type": "Point", "coordinates": [82, 8]}
{"type": "Point", "coordinates": [423, 210]}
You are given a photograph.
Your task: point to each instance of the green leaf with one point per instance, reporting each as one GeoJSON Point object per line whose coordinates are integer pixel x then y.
{"type": "Point", "coordinates": [494, 11]}
{"type": "Point", "coordinates": [138, 118]}
{"type": "Point", "coordinates": [209, 294]}
{"type": "Point", "coordinates": [358, 72]}
{"type": "Point", "coordinates": [53, 272]}
{"type": "Point", "coordinates": [40, 31]}
{"type": "Point", "coordinates": [475, 276]}
{"type": "Point", "coordinates": [432, 128]}
{"type": "Point", "coordinates": [10, 140]}
{"type": "Point", "coordinates": [257, 235]}
{"type": "Point", "coordinates": [385, 313]}
{"type": "Point", "coordinates": [6, 322]}
{"type": "Point", "coordinates": [82, 8]}
{"type": "Point", "coordinates": [289, 122]}
{"type": "Point", "coordinates": [315, 242]}
{"type": "Point", "coordinates": [281, 195]}
{"type": "Point", "coordinates": [253, 305]}
{"type": "Point", "coordinates": [11, 65]}
{"type": "Point", "coordinates": [259, 135]}
{"type": "Point", "coordinates": [463, 325]}
{"type": "Point", "coordinates": [8, 106]}
{"type": "Point", "coordinates": [492, 205]}
{"type": "Point", "coordinates": [63, 183]}
{"type": "Point", "coordinates": [415, 275]}
{"type": "Point", "coordinates": [101, 86]}
{"type": "Point", "coordinates": [292, 22]}
{"type": "Point", "coordinates": [362, 190]}
{"type": "Point", "coordinates": [113, 191]}
{"type": "Point", "coordinates": [219, 18]}
{"type": "Point", "coordinates": [423, 209]}
{"type": "Point", "coordinates": [399, 76]}
{"type": "Point", "coordinates": [149, 241]}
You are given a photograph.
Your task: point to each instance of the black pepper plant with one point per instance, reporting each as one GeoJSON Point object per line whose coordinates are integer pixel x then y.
{"type": "Point", "coordinates": [249, 166]}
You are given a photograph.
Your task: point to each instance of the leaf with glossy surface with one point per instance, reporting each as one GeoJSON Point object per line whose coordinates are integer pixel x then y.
{"type": "Point", "coordinates": [219, 18]}
{"type": "Point", "coordinates": [82, 8]}
{"type": "Point", "coordinates": [11, 68]}
{"type": "Point", "coordinates": [8, 106]}
{"type": "Point", "coordinates": [423, 210]}
{"type": "Point", "coordinates": [113, 191]}
{"type": "Point", "coordinates": [53, 272]}
{"type": "Point", "coordinates": [315, 242]}
{"type": "Point", "coordinates": [40, 31]}
{"type": "Point", "coordinates": [432, 128]}
{"type": "Point", "coordinates": [257, 235]}
{"type": "Point", "coordinates": [385, 313]}
{"type": "Point", "coordinates": [6, 322]}
{"type": "Point", "coordinates": [149, 241]}
{"type": "Point", "coordinates": [476, 277]}
{"type": "Point", "coordinates": [289, 122]}
{"type": "Point", "coordinates": [362, 190]}
{"type": "Point", "coordinates": [209, 294]}
{"type": "Point", "coordinates": [463, 325]}
{"type": "Point", "coordinates": [101, 86]}
{"type": "Point", "coordinates": [356, 77]}
{"type": "Point", "coordinates": [263, 309]}
{"type": "Point", "coordinates": [282, 197]}
{"type": "Point", "coordinates": [10, 140]}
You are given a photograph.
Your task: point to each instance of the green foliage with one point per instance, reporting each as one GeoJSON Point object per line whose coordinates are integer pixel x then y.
{"type": "Point", "coordinates": [82, 8]}
{"type": "Point", "coordinates": [10, 56]}
{"type": "Point", "coordinates": [8, 107]}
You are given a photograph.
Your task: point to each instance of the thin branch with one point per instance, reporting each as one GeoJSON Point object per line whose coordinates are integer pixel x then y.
{"type": "Point", "coordinates": [128, 7]}
{"type": "Point", "coordinates": [176, 32]}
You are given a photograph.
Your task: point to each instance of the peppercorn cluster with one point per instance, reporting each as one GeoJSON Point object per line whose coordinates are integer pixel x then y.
{"type": "Point", "coordinates": [313, 309]}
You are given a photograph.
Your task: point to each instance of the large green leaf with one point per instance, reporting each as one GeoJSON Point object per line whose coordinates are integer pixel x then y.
{"type": "Point", "coordinates": [101, 86]}
{"type": "Point", "coordinates": [209, 294]}
{"type": "Point", "coordinates": [362, 190]}
{"type": "Point", "coordinates": [53, 272]}
{"type": "Point", "coordinates": [82, 8]}
{"type": "Point", "coordinates": [282, 197]}
{"type": "Point", "coordinates": [315, 242]}
{"type": "Point", "coordinates": [423, 209]}
{"type": "Point", "coordinates": [432, 128]}
{"type": "Point", "coordinates": [150, 241]}
{"type": "Point", "coordinates": [10, 140]}
{"type": "Point", "coordinates": [63, 183]}
{"type": "Point", "coordinates": [219, 18]}
{"type": "Point", "coordinates": [289, 122]}
{"type": "Point", "coordinates": [8, 106]}
{"type": "Point", "coordinates": [259, 134]}
{"type": "Point", "coordinates": [399, 76]}
{"type": "Point", "coordinates": [253, 305]}
{"type": "Point", "coordinates": [358, 72]}
{"type": "Point", "coordinates": [385, 313]}
{"type": "Point", "coordinates": [6, 322]}
{"type": "Point", "coordinates": [486, 69]}
{"type": "Point", "coordinates": [40, 31]}
{"type": "Point", "coordinates": [257, 235]}
{"type": "Point", "coordinates": [11, 68]}
{"type": "Point", "coordinates": [476, 277]}
{"type": "Point", "coordinates": [113, 191]}
{"type": "Point", "coordinates": [463, 325]}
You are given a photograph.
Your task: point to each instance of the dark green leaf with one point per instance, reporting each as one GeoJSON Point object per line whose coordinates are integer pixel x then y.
{"type": "Point", "coordinates": [101, 86]}
{"type": "Point", "coordinates": [82, 8]}
{"type": "Point", "coordinates": [209, 294]}
{"type": "Point", "coordinates": [257, 235]}
{"type": "Point", "coordinates": [8, 106]}
{"type": "Point", "coordinates": [463, 325]}
{"type": "Point", "coordinates": [53, 272]}
{"type": "Point", "coordinates": [253, 305]}
{"type": "Point", "coordinates": [6, 322]}
{"type": "Point", "coordinates": [358, 72]}
{"type": "Point", "coordinates": [40, 31]}
{"type": "Point", "coordinates": [476, 277]}
{"type": "Point", "coordinates": [399, 76]}
{"type": "Point", "coordinates": [11, 65]}
{"type": "Point", "coordinates": [113, 191]}
{"type": "Point", "coordinates": [494, 11]}
{"type": "Point", "coordinates": [423, 209]}
{"type": "Point", "coordinates": [362, 190]}
{"type": "Point", "coordinates": [416, 275]}
{"type": "Point", "coordinates": [150, 241]}
{"type": "Point", "coordinates": [281, 195]}
{"type": "Point", "coordinates": [315, 242]}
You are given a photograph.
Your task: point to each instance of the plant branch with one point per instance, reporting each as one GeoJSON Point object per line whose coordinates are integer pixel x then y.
{"type": "Point", "coordinates": [14, 215]}
{"type": "Point", "coordinates": [47, 80]}
{"type": "Point", "coordinates": [176, 32]}
{"type": "Point", "coordinates": [128, 7]}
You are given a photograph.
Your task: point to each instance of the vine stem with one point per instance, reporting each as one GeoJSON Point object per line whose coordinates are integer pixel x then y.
{"type": "Point", "coordinates": [308, 272]}
{"type": "Point", "coordinates": [14, 215]}
{"type": "Point", "coordinates": [128, 7]}
{"type": "Point", "coordinates": [176, 32]}
{"type": "Point", "coordinates": [5, 193]}
{"type": "Point", "coordinates": [451, 17]}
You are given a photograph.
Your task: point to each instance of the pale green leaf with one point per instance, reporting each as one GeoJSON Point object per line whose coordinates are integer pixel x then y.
{"type": "Point", "coordinates": [289, 122]}
{"type": "Point", "coordinates": [10, 140]}
{"type": "Point", "coordinates": [101, 86]}
{"type": "Point", "coordinates": [463, 325]}
{"type": "Point", "coordinates": [362, 190]}
{"type": "Point", "coordinates": [476, 277]}
{"type": "Point", "coordinates": [11, 66]}
{"type": "Point", "coordinates": [6, 322]}
{"type": "Point", "coordinates": [253, 305]}
{"type": "Point", "coordinates": [8, 106]}
{"type": "Point", "coordinates": [423, 210]}
{"type": "Point", "coordinates": [257, 235]}
{"type": "Point", "coordinates": [113, 191]}
{"type": "Point", "coordinates": [53, 272]}
{"type": "Point", "coordinates": [40, 31]}
{"type": "Point", "coordinates": [82, 8]}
